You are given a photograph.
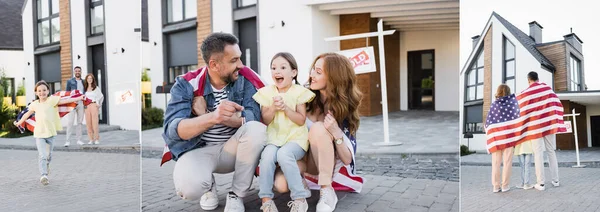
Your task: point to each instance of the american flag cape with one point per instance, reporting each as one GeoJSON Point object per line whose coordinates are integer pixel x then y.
{"type": "Point", "coordinates": [540, 113]}
{"type": "Point", "coordinates": [63, 109]}
{"type": "Point", "coordinates": [198, 79]}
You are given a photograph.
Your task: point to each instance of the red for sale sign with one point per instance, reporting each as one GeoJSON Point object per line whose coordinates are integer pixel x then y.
{"type": "Point", "coordinates": [361, 59]}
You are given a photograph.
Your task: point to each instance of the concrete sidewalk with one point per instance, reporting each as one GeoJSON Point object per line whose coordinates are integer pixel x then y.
{"type": "Point", "coordinates": [566, 158]}
{"type": "Point", "coordinates": [421, 132]}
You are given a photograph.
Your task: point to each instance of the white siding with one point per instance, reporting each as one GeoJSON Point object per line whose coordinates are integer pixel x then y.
{"type": "Point", "coordinates": [222, 16]}
{"type": "Point", "coordinates": [446, 46]}
{"type": "Point", "coordinates": [155, 52]}
{"type": "Point", "coordinates": [79, 36]}
{"type": "Point", "coordinates": [28, 51]}
{"type": "Point", "coordinates": [13, 63]}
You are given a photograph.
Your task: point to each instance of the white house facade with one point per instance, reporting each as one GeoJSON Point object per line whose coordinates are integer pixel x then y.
{"type": "Point", "coordinates": [503, 54]}
{"type": "Point", "coordinates": [426, 34]}
{"type": "Point", "coordinates": [100, 36]}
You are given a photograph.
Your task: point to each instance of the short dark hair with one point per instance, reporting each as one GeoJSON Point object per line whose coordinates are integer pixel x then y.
{"type": "Point", "coordinates": [215, 43]}
{"type": "Point", "coordinates": [533, 76]}
{"type": "Point", "coordinates": [76, 67]}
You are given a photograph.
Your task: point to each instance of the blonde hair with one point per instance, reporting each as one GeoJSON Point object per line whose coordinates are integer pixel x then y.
{"type": "Point", "coordinates": [343, 96]}
{"type": "Point", "coordinates": [502, 91]}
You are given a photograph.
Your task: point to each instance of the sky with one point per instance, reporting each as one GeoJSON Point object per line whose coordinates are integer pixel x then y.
{"type": "Point", "coordinates": [556, 17]}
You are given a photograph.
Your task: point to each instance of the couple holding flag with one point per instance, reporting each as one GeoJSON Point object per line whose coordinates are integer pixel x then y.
{"type": "Point", "coordinates": [522, 125]}
{"type": "Point", "coordinates": [216, 122]}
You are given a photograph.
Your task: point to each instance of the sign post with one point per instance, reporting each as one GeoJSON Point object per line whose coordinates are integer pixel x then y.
{"type": "Point", "coordinates": [574, 131]}
{"type": "Point", "coordinates": [379, 34]}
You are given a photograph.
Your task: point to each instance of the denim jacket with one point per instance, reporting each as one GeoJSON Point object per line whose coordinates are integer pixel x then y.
{"type": "Point", "coordinates": [180, 107]}
{"type": "Point", "coordinates": [71, 84]}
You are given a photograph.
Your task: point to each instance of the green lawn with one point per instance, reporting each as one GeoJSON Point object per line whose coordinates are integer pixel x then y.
{"type": "Point", "coordinates": [7, 134]}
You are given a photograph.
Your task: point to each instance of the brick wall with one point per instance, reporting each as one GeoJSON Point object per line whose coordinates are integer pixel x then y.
{"type": "Point", "coordinates": [66, 65]}
{"type": "Point", "coordinates": [567, 141]}
{"type": "Point", "coordinates": [204, 26]}
{"type": "Point", "coordinates": [487, 73]}
{"type": "Point", "coordinates": [556, 54]}
{"type": "Point", "coordinates": [368, 83]}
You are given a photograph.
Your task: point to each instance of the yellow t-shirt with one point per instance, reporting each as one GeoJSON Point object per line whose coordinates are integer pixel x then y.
{"type": "Point", "coordinates": [47, 121]}
{"type": "Point", "coordinates": [282, 129]}
{"type": "Point", "coordinates": [524, 148]}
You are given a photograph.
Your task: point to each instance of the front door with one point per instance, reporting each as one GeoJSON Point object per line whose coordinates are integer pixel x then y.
{"type": "Point", "coordinates": [595, 130]}
{"type": "Point", "coordinates": [421, 78]}
{"type": "Point", "coordinates": [99, 71]}
{"type": "Point", "coordinates": [246, 32]}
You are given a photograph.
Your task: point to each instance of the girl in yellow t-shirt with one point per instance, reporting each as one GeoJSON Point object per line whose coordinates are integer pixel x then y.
{"type": "Point", "coordinates": [47, 122]}
{"type": "Point", "coordinates": [283, 110]}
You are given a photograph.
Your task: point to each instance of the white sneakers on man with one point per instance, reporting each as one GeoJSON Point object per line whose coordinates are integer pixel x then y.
{"type": "Point", "coordinates": [210, 200]}
{"type": "Point", "coordinates": [234, 203]}
{"type": "Point", "coordinates": [327, 201]}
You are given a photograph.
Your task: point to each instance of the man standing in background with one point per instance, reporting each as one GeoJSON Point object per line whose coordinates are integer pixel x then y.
{"type": "Point", "coordinates": [75, 83]}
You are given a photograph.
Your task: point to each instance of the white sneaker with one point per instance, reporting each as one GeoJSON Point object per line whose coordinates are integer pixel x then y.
{"type": "Point", "coordinates": [555, 183]}
{"type": "Point", "coordinates": [527, 187]}
{"type": "Point", "coordinates": [505, 189]}
{"type": "Point", "coordinates": [91, 142]}
{"type": "Point", "coordinates": [80, 143]}
{"type": "Point", "coordinates": [298, 206]}
{"type": "Point", "coordinates": [269, 206]}
{"type": "Point", "coordinates": [67, 144]}
{"type": "Point", "coordinates": [327, 201]}
{"type": "Point", "coordinates": [209, 201]}
{"type": "Point", "coordinates": [96, 142]}
{"type": "Point", "coordinates": [540, 187]}
{"type": "Point", "coordinates": [234, 204]}
{"type": "Point", "coordinates": [44, 180]}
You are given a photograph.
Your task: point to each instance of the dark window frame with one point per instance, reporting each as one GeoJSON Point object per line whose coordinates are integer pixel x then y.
{"type": "Point", "coordinates": [237, 3]}
{"type": "Point", "coordinates": [91, 5]}
{"type": "Point", "coordinates": [578, 83]}
{"type": "Point", "coordinates": [465, 124]}
{"type": "Point", "coordinates": [11, 88]}
{"type": "Point", "coordinates": [474, 67]}
{"type": "Point", "coordinates": [505, 61]}
{"type": "Point", "coordinates": [167, 13]}
{"type": "Point", "coordinates": [186, 68]}
{"type": "Point", "coordinates": [38, 21]}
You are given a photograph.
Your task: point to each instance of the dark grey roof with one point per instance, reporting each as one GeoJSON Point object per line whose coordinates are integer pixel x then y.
{"type": "Point", "coordinates": [526, 41]}
{"type": "Point", "coordinates": [11, 26]}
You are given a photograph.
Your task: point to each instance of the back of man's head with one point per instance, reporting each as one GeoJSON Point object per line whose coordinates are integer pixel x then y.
{"type": "Point", "coordinates": [532, 76]}
{"type": "Point", "coordinates": [215, 43]}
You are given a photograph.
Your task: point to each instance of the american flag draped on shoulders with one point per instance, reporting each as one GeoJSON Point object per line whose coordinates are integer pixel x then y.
{"type": "Point", "coordinates": [63, 109]}
{"type": "Point", "coordinates": [533, 114]}
{"type": "Point", "coordinates": [198, 80]}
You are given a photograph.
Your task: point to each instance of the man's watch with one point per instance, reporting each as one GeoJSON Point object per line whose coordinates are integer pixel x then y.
{"type": "Point", "coordinates": [339, 140]}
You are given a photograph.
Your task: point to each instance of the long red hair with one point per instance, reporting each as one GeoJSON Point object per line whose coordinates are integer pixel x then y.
{"type": "Point", "coordinates": [94, 82]}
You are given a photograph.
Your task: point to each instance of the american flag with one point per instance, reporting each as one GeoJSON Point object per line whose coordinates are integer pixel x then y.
{"type": "Point", "coordinates": [198, 79]}
{"type": "Point", "coordinates": [533, 114]}
{"type": "Point", "coordinates": [63, 109]}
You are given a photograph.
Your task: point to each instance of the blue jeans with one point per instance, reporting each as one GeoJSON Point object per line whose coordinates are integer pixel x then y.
{"type": "Point", "coordinates": [525, 161]}
{"type": "Point", "coordinates": [44, 148]}
{"type": "Point", "coordinates": [286, 156]}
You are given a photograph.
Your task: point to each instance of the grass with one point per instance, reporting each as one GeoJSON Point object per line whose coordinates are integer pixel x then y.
{"type": "Point", "coordinates": [7, 134]}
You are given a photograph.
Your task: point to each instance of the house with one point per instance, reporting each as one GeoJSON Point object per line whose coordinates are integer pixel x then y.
{"type": "Point", "coordinates": [424, 47]}
{"type": "Point", "coordinates": [12, 61]}
{"type": "Point", "coordinates": [505, 54]}
{"type": "Point", "coordinates": [101, 36]}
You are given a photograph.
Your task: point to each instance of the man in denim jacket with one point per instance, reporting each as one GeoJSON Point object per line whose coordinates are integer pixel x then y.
{"type": "Point", "coordinates": [75, 83]}
{"type": "Point", "coordinates": [217, 130]}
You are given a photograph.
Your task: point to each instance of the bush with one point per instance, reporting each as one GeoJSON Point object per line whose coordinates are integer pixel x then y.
{"type": "Point", "coordinates": [464, 150]}
{"type": "Point", "coordinates": [145, 76]}
{"type": "Point", "coordinates": [152, 118]}
{"type": "Point", "coordinates": [21, 90]}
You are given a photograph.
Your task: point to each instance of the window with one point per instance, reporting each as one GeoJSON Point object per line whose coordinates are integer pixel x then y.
{"type": "Point", "coordinates": [575, 72]}
{"type": "Point", "coordinates": [180, 10]}
{"type": "Point", "coordinates": [48, 22]}
{"type": "Point", "coordinates": [474, 96]}
{"type": "Point", "coordinates": [176, 71]}
{"type": "Point", "coordinates": [474, 85]}
{"type": "Point", "coordinates": [96, 17]}
{"type": "Point", "coordinates": [245, 3]}
{"type": "Point", "coordinates": [508, 72]}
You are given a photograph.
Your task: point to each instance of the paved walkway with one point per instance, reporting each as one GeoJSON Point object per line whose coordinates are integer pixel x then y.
{"type": "Point", "coordinates": [78, 182]}
{"type": "Point", "coordinates": [579, 191]}
{"type": "Point", "coordinates": [566, 158]}
{"type": "Point", "coordinates": [110, 141]}
{"type": "Point", "coordinates": [421, 132]}
{"type": "Point", "coordinates": [380, 193]}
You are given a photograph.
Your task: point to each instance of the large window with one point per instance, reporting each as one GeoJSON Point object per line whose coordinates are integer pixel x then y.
{"type": "Point", "coordinates": [48, 22]}
{"type": "Point", "coordinates": [474, 96]}
{"type": "Point", "coordinates": [474, 88]}
{"type": "Point", "coordinates": [508, 72]}
{"type": "Point", "coordinates": [575, 72]}
{"type": "Point", "coordinates": [96, 17]}
{"type": "Point", "coordinates": [180, 10]}
{"type": "Point", "coordinates": [176, 71]}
